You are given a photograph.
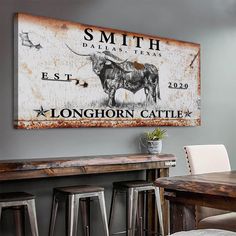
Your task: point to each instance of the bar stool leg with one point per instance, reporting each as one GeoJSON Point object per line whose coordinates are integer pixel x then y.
{"type": "Point", "coordinates": [159, 209]}
{"type": "Point", "coordinates": [112, 209]}
{"type": "Point", "coordinates": [53, 216]}
{"type": "Point", "coordinates": [19, 217]}
{"type": "Point", "coordinates": [134, 212]}
{"type": "Point", "coordinates": [73, 211]}
{"type": "Point", "coordinates": [103, 212]}
{"type": "Point", "coordinates": [130, 194]}
{"type": "Point", "coordinates": [32, 217]}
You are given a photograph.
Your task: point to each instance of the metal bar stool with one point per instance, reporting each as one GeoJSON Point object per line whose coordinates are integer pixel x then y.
{"type": "Point", "coordinates": [18, 201]}
{"type": "Point", "coordinates": [72, 196]}
{"type": "Point", "coordinates": [133, 190]}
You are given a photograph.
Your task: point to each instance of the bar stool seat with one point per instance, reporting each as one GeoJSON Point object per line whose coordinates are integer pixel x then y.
{"type": "Point", "coordinates": [79, 189]}
{"type": "Point", "coordinates": [133, 189]}
{"type": "Point", "coordinates": [71, 195]}
{"type": "Point", "coordinates": [132, 184]}
{"type": "Point", "coordinates": [16, 196]}
{"type": "Point", "coordinates": [18, 202]}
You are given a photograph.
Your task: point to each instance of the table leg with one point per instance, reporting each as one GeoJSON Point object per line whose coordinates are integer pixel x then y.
{"type": "Point", "coordinates": [85, 210]}
{"type": "Point", "coordinates": [19, 216]}
{"type": "Point", "coordinates": [165, 203]}
{"type": "Point", "coordinates": [140, 215]}
{"type": "Point", "coordinates": [182, 217]}
{"type": "Point", "coordinates": [151, 222]}
{"type": "Point", "coordinates": [151, 218]}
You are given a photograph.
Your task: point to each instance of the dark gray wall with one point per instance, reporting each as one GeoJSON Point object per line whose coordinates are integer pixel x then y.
{"type": "Point", "coordinates": [208, 22]}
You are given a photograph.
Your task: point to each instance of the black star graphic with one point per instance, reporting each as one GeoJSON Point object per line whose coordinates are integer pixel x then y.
{"type": "Point", "coordinates": [188, 113]}
{"type": "Point", "coordinates": [41, 112]}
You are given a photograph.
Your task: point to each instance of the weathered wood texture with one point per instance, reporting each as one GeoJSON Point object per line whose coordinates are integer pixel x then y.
{"type": "Point", "coordinates": [52, 167]}
{"type": "Point", "coordinates": [182, 217]}
{"type": "Point", "coordinates": [164, 202]}
{"type": "Point", "coordinates": [215, 190]}
{"type": "Point", "coordinates": [218, 183]}
{"type": "Point", "coordinates": [151, 217]}
{"type": "Point", "coordinates": [152, 220]}
{"type": "Point", "coordinates": [206, 200]}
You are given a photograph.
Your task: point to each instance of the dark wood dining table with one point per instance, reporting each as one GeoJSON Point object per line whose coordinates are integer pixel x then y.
{"type": "Point", "coordinates": [155, 166]}
{"type": "Point", "coordinates": [215, 190]}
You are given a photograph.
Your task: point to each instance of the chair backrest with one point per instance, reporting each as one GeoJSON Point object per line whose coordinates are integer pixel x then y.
{"type": "Point", "coordinates": [207, 158]}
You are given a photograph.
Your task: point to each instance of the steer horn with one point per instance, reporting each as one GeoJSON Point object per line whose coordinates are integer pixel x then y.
{"type": "Point", "coordinates": [112, 57]}
{"type": "Point", "coordinates": [84, 55]}
{"type": "Point", "coordinates": [122, 61]}
{"type": "Point", "coordinates": [118, 63]}
{"type": "Point", "coordinates": [109, 54]}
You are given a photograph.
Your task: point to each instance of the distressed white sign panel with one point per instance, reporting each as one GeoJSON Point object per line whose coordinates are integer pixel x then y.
{"type": "Point", "coordinates": [74, 75]}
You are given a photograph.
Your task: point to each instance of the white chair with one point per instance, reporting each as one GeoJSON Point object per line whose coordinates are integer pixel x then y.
{"type": "Point", "coordinates": [206, 159]}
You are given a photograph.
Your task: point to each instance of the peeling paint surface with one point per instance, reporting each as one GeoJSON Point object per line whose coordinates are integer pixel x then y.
{"type": "Point", "coordinates": [57, 84]}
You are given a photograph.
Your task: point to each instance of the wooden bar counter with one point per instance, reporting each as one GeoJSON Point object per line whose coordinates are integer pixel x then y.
{"type": "Point", "coordinates": [81, 165]}
{"type": "Point", "coordinates": [155, 166]}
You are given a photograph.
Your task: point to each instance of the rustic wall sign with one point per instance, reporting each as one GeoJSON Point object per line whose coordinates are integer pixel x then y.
{"type": "Point", "coordinates": [73, 75]}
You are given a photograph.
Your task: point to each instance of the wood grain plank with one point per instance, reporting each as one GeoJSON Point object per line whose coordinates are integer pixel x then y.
{"type": "Point", "coordinates": [182, 217]}
{"type": "Point", "coordinates": [68, 166]}
{"type": "Point", "coordinates": [218, 183]}
{"type": "Point", "coordinates": [206, 200]}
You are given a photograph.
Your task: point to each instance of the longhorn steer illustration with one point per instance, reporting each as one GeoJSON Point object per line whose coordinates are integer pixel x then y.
{"type": "Point", "coordinates": [115, 73]}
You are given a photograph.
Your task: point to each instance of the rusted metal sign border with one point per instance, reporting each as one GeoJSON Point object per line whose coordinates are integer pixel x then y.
{"type": "Point", "coordinates": [136, 122]}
